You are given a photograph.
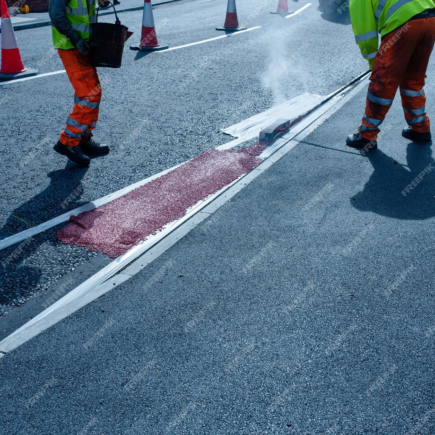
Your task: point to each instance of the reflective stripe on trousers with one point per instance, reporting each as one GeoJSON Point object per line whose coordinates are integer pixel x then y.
{"type": "Point", "coordinates": [401, 62]}
{"type": "Point", "coordinates": [414, 106]}
{"type": "Point", "coordinates": [84, 79]}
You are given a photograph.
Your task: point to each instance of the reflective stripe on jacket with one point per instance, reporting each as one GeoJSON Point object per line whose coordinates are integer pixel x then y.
{"type": "Point", "coordinates": [81, 14]}
{"type": "Point", "coordinates": [373, 17]}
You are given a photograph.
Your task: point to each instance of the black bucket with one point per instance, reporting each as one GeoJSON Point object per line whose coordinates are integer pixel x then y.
{"type": "Point", "coordinates": [107, 42]}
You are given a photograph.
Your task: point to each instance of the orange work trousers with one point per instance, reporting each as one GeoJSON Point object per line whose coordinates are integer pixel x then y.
{"type": "Point", "coordinates": [401, 61]}
{"type": "Point", "coordinates": [84, 79]}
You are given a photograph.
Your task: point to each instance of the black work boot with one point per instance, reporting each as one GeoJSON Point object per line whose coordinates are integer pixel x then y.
{"type": "Point", "coordinates": [410, 134]}
{"type": "Point", "coordinates": [357, 141]}
{"type": "Point", "coordinates": [93, 149]}
{"type": "Point", "coordinates": [75, 154]}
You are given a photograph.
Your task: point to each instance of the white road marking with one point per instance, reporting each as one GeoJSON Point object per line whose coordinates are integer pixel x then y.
{"type": "Point", "coordinates": [163, 51]}
{"type": "Point", "coordinates": [106, 279]}
{"type": "Point", "coordinates": [250, 129]}
{"type": "Point", "coordinates": [17, 238]}
{"type": "Point", "coordinates": [11, 82]}
{"type": "Point", "coordinates": [211, 39]}
{"type": "Point", "coordinates": [17, 20]}
{"type": "Point", "coordinates": [299, 10]}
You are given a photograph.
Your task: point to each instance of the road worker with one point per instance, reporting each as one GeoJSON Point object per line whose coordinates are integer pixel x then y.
{"type": "Point", "coordinates": [407, 29]}
{"type": "Point", "coordinates": [71, 21]}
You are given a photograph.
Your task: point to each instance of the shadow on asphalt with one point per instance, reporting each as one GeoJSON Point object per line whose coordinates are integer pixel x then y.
{"type": "Point", "coordinates": [396, 191]}
{"type": "Point", "coordinates": [304, 142]}
{"type": "Point", "coordinates": [335, 11]}
{"type": "Point", "coordinates": [17, 278]}
{"type": "Point", "coordinates": [141, 54]}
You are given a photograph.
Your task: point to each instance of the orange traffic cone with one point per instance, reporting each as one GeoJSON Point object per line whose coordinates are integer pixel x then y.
{"type": "Point", "coordinates": [148, 41]}
{"type": "Point", "coordinates": [12, 66]}
{"type": "Point", "coordinates": [282, 8]}
{"type": "Point", "coordinates": [231, 21]}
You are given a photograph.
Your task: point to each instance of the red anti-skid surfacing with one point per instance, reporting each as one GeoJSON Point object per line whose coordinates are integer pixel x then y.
{"type": "Point", "coordinates": [116, 227]}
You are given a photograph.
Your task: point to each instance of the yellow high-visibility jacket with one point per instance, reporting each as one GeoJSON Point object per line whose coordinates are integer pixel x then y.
{"type": "Point", "coordinates": [373, 17]}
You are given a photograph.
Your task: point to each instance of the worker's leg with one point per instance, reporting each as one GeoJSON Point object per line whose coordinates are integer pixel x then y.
{"type": "Point", "coordinates": [411, 87]}
{"type": "Point", "coordinates": [94, 114]}
{"type": "Point", "coordinates": [84, 79]}
{"type": "Point", "coordinates": [390, 66]}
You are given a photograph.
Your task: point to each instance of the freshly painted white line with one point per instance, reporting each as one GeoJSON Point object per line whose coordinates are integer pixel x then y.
{"type": "Point", "coordinates": [40, 76]}
{"type": "Point", "coordinates": [91, 288]}
{"type": "Point", "coordinates": [154, 246]}
{"type": "Point", "coordinates": [292, 109]}
{"type": "Point", "coordinates": [17, 238]}
{"type": "Point", "coordinates": [249, 128]}
{"type": "Point", "coordinates": [211, 39]}
{"type": "Point", "coordinates": [234, 143]}
{"type": "Point", "coordinates": [299, 10]}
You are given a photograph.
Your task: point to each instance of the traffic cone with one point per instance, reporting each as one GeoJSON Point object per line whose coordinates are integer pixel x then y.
{"type": "Point", "coordinates": [148, 41]}
{"type": "Point", "coordinates": [282, 8]}
{"type": "Point", "coordinates": [231, 21]}
{"type": "Point", "coordinates": [12, 66]}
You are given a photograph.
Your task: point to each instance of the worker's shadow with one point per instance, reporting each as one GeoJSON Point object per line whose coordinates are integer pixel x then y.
{"type": "Point", "coordinates": [335, 11]}
{"type": "Point", "coordinates": [19, 270]}
{"type": "Point", "coordinates": [399, 192]}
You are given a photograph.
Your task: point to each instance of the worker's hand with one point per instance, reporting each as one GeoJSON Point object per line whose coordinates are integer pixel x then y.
{"type": "Point", "coordinates": [84, 47]}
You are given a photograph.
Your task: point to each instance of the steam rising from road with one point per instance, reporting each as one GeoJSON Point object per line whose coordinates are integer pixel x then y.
{"type": "Point", "coordinates": [283, 75]}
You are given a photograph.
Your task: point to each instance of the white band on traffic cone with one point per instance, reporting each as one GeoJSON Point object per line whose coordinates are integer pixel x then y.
{"type": "Point", "coordinates": [9, 41]}
{"type": "Point", "coordinates": [231, 9]}
{"type": "Point", "coordinates": [148, 18]}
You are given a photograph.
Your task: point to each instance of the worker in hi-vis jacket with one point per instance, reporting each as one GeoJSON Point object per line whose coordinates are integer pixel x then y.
{"type": "Point", "coordinates": [407, 29]}
{"type": "Point", "coordinates": [71, 30]}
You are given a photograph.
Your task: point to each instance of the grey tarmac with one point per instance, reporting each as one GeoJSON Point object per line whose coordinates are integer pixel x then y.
{"type": "Point", "coordinates": [303, 306]}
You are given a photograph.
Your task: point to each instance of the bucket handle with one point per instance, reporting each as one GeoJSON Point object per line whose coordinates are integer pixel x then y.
{"type": "Point", "coordinates": [116, 15]}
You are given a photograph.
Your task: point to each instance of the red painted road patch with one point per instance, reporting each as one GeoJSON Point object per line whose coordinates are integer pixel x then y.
{"type": "Point", "coordinates": [116, 227]}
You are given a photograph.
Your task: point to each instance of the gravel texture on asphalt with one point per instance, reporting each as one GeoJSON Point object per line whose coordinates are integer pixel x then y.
{"type": "Point", "coordinates": [158, 110]}
{"type": "Point", "coordinates": [303, 306]}
{"type": "Point", "coordinates": [116, 227]}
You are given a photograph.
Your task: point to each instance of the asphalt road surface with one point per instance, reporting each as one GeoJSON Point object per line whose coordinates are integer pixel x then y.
{"type": "Point", "coordinates": [159, 110]}
{"type": "Point", "coordinates": [303, 306]}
